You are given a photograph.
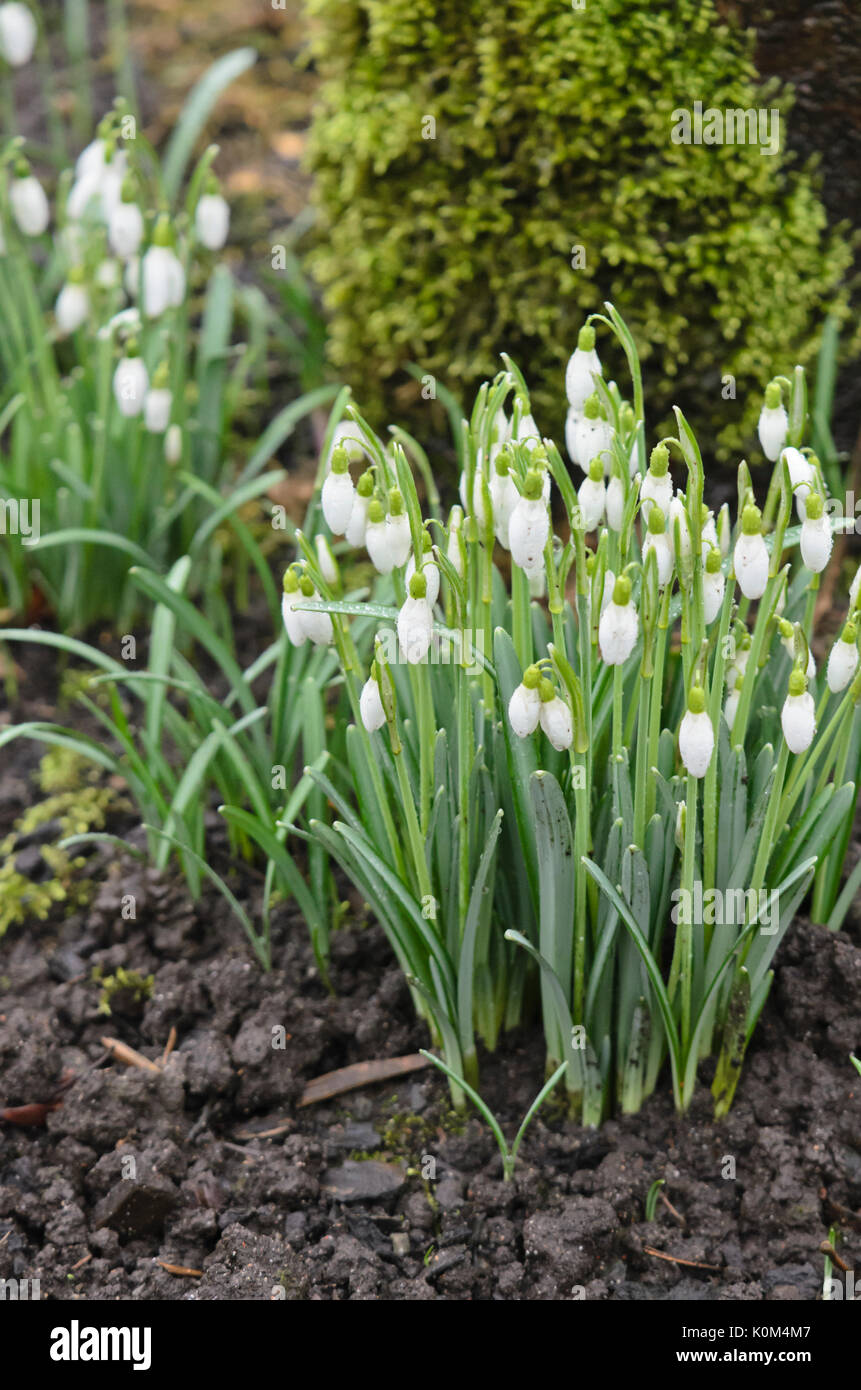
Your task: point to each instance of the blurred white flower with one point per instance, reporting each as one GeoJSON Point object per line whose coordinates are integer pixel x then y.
{"type": "Point", "coordinates": [17, 34]}
{"type": "Point", "coordinates": [212, 221]}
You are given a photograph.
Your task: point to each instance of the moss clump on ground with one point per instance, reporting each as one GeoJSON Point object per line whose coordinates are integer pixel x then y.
{"type": "Point", "coordinates": [124, 992]}
{"type": "Point", "coordinates": [461, 151]}
{"type": "Point", "coordinates": [77, 805]}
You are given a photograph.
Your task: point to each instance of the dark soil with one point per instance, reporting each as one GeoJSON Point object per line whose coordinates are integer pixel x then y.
{"type": "Point", "coordinates": [211, 1165]}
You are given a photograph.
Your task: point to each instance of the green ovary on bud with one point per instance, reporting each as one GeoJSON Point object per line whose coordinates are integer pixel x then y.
{"type": "Point", "coordinates": [532, 487]}
{"type": "Point", "coordinates": [396, 502]}
{"type": "Point", "coordinates": [696, 699]}
{"type": "Point", "coordinates": [376, 512]}
{"type": "Point", "coordinates": [592, 407]}
{"type": "Point", "coordinates": [713, 561]}
{"type": "Point", "coordinates": [751, 521]}
{"type": "Point", "coordinates": [546, 690]}
{"type": "Point", "coordinates": [659, 460]}
{"type": "Point", "coordinates": [586, 338]}
{"type": "Point", "coordinates": [797, 681]}
{"type": "Point", "coordinates": [622, 591]}
{"type": "Point", "coordinates": [365, 485]}
{"type": "Point", "coordinates": [418, 585]}
{"type": "Point", "coordinates": [340, 462]}
{"type": "Point", "coordinates": [772, 395]}
{"type": "Point", "coordinates": [532, 678]}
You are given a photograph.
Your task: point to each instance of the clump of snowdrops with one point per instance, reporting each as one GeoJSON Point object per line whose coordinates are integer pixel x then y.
{"type": "Point", "coordinates": [593, 764]}
{"type": "Point", "coordinates": [119, 383]}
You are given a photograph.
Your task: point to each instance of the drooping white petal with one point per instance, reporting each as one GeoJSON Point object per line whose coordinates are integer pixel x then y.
{"type": "Point", "coordinates": [524, 708]}
{"type": "Point", "coordinates": [371, 706]}
{"type": "Point", "coordinates": [555, 719]}
{"type": "Point", "coordinates": [750, 562]}
{"type": "Point", "coordinates": [696, 742]}
{"type": "Point", "coordinates": [415, 629]}
{"type": "Point", "coordinates": [798, 721]}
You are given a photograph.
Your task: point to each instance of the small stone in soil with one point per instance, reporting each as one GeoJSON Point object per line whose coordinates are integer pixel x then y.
{"type": "Point", "coordinates": [366, 1181]}
{"type": "Point", "coordinates": [133, 1208]}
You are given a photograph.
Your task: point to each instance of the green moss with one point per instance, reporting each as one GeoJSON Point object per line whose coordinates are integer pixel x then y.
{"type": "Point", "coordinates": [553, 131]}
{"type": "Point", "coordinates": [125, 992]}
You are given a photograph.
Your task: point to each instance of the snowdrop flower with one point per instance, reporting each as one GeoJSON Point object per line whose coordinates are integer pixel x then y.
{"type": "Point", "coordinates": [72, 308]}
{"type": "Point", "coordinates": [503, 495]}
{"type": "Point", "coordinates": [163, 278]}
{"type": "Point", "coordinates": [338, 494]}
{"type": "Point", "coordinates": [584, 360]}
{"type": "Point", "coordinates": [212, 218]}
{"type": "Point", "coordinates": [17, 34]}
{"type": "Point", "coordinates": [478, 508]}
{"type": "Point", "coordinates": [773, 423]}
{"type": "Point", "coordinates": [158, 403]}
{"type": "Point", "coordinates": [428, 569]}
{"type": "Point", "coordinates": [125, 225]}
{"type": "Point", "coordinates": [656, 539]}
{"type": "Point", "coordinates": [316, 625]}
{"type": "Point", "coordinates": [750, 557]}
{"type": "Point", "coordinates": [554, 716]}
{"type": "Point", "coordinates": [591, 436]}
{"type": "Point", "coordinates": [709, 535]}
{"type": "Point", "coordinates": [371, 703]}
{"type": "Point", "coordinates": [400, 538]}
{"type": "Point", "coordinates": [608, 590]}
{"type": "Point", "coordinates": [684, 557]}
{"type": "Point", "coordinates": [854, 588]}
{"type": "Point", "coordinates": [592, 497]}
{"type": "Point", "coordinates": [377, 538]}
{"type": "Point", "coordinates": [415, 622]}
{"type": "Point", "coordinates": [108, 274]}
{"type": "Point", "coordinates": [455, 550]}
{"type": "Point", "coordinates": [537, 579]}
{"type": "Point", "coordinates": [131, 382]}
{"type": "Point", "coordinates": [731, 705]}
{"type": "Point", "coordinates": [527, 433]}
{"type": "Point", "coordinates": [615, 503]}
{"type": "Point", "coordinates": [524, 707]}
{"type": "Point", "coordinates": [802, 477]}
{"type": "Point", "coordinates": [657, 486]}
{"type": "Point", "coordinates": [798, 716]}
{"type": "Point", "coordinates": [29, 203]}
{"type": "Point", "coordinates": [296, 634]}
{"type": "Point", "coordinates": [326, 559]}
{"type": "Point", "coordinates": [619, 625]}
{"type": "Point", "coordinates": [787, 637]}
{"type": "Point", "coordinates": [696, 735]}
{"type": "Point", "coordinates": [816, 536]}
{"type": "Point", "coordinates": [724, 530]}
{"type": "Point", "coordinates": [173, 444]}
{"type": "Point", "coordinates": [714, 585]}
{"type": "Point", "coordinates": [355, 532]}
{"type": "Point", "coordinates": [843, 659]}
{"type": "Point", "coordinates": [529, 526]}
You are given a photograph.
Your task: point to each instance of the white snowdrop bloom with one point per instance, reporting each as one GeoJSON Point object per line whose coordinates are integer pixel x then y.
{"type": "Point", "coordinates": [173, 444]}
{"type": "Point", "coordinates": [524, 706]}
{"type": "Point", "coordinates": [529, 525]}
{"type": "Point", "coordinates": [696, 735]}
{"type": "Point", "coordinates": [709, 535]}
{"type": "Point", "coordinates": [584, 360]}
{"type": "Point", "coordinates": [750, 557]}
{"type": "Point", "coordinates": [125, 229]}
{"type": "Point", "coordinates": [400, 538]}
{"type": "Point", "coordinates": [714, 585]}
{"type": "Point", "coordinates": [657, 540]}
{"type": "Point", "coordinates": [773, 423]}
{"type": "Point", "coordinates": [157, 407]}
{"type": "Point", "coordinates": [355, 532]}
{"type": "Point", "coordinates": [162, 275]}
{"type": "Point", "coordinates": [17, 34]}
{"type": "Point", "coordinates": [592, 496]}
{"type": "Point", "coordinates": [415, 622]}
{"type": "Point", "coordinates": [377, 538]}
{"type": "Point", "coordinates": [555, 718]}
{"type": "Point", "coordinates": [296, 634]}
{"type": "Point", "coordinates": [802, 478]}
{"type": "Point", "coordinates": [724, 530]}
{"type": "Point", "coordinates": [326, 559]}
{"type": "Point", "coordinates": [109, 274]}
{"type": "Point", "coordinates": [91, 160]}
{"type": "Point", "coordinates": [346, 435]}
{"type": "Point", "coordinates": [371, 705]}
{"type": "Point", "coordinates": [657, 486]}
{"type": "Point", "coordinates": [131, 383]}
{"type": "Point", "coordinates": [572, 419]}
{"type": "Point", "coordinates": [854, 588]}
{"type": "Point", "coordinates": [843, 659]}
{"type": "Point", "coordinates": [338, 494]}
{"type": "Point", "coordinates": [28, 201]}
{"type": "Point", "coordinates": [609, 587]}
{"type": "Point", "coordinates": [527, 433]}
{"type": "Point", "coordinates": [212, 221]}
{"type": "Point", "coordinates": [798, 716]}
{"type": "Point", "coordinates": [316, 624]}
{"type": "Point", "coordinates": [615, 503]}
{"type": "Point", "coordinates": [684, 558]}
{"type": "Point", "coordinates": [619, 625]}
{"type": "Point", "coordinates": [429, 570]}
{"type": "Point", "coordinates": [731, 705]}
{"type": "Point", "coordinates": [503, 497]}
{"type": "Point", "coordinates": [72, 308]}
{"type": "Point", "coordinates": [132, 277]}
{"type": "Point", "coordinates": [455, 551]}
{"type": "Point", "coordinates": [591, 437]}
{"type": "Point", "coordinates": [478, 508]}
{"type": "Point", "coordinates": [816, 535]}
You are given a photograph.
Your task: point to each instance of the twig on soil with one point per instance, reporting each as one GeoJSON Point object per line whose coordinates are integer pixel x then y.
{"type": "Point", "coordinates": [676, 1259]}
{"type": "Point", "coordinates": [121, 1052]}
{"type": "Point", "coordinates": [671, 1209]}
{"type": "Point", "coordinates": [169, 1046]}
{"type": "Point", "coordinates": [335, 1083]}
{"type": "Point", "coordinates": [828, 1249]}
{"type": "Point", "coordinates": [84, 1261]}
{"type": "Point", "coordinates": [181, 1269]}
